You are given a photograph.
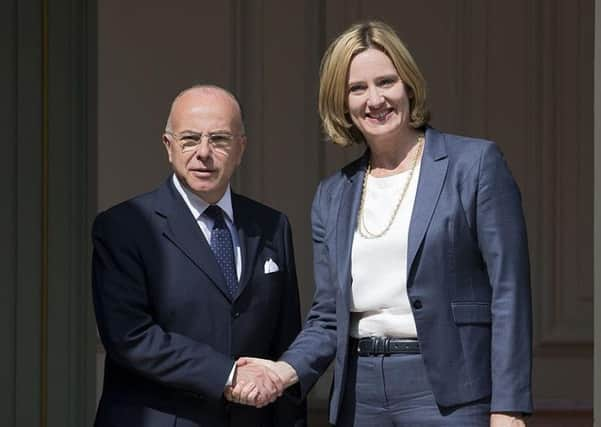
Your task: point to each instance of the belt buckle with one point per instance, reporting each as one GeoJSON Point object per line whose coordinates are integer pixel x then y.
{"type": "Point", "coordinates": [367, 346]}
{"type": "Point", "coordinates": [373, 346]}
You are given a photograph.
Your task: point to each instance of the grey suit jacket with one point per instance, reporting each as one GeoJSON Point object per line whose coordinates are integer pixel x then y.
{"type": "Point", "coordinates": [467, 277]}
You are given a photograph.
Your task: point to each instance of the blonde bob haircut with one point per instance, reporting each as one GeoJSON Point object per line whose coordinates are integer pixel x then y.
{"type": "Point", "coordinates": [334, 68]}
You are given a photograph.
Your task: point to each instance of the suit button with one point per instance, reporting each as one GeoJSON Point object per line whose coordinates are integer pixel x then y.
{"type": "Point", "coordinates": [236, 314]}
{"type": "Point", "coordinates": [417, 304]}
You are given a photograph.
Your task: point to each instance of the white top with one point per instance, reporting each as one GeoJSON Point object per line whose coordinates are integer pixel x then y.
{"type": "Point", "coordinates": [197, 207]}
{"type": "Point", "coordinates": [379, 302]}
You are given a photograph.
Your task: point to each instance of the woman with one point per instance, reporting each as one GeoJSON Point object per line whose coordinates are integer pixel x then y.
{"type": "Point", "coordinates": [421, 260]}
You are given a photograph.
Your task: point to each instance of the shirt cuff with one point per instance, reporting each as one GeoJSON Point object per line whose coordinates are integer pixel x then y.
{"type": "Point", "coordinates": [230, 379]}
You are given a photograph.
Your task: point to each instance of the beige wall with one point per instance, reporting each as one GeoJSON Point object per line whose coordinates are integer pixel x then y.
{"type": "Point", "coordinates": [518, 72]}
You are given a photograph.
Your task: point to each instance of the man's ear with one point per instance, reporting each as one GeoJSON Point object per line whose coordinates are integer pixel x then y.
{"type": "Point", "coordinates": [168, 146]}
{"type": "Point", "coordinates": [242, 148]}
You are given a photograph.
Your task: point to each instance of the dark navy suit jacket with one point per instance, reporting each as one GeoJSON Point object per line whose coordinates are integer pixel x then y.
{"type": "Point", "coordinates": [467, 277]}
{"type": "Point", "coordinates": [170, 329]}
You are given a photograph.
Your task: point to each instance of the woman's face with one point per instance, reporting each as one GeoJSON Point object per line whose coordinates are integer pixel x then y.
{"type": "Point", "coordinates": [378, 101]}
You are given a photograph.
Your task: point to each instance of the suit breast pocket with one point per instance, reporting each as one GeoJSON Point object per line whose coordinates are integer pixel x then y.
{"type": "Point", "coordinates": [267, 287]}
{"type": "Point", "coordinates": [277, 276]}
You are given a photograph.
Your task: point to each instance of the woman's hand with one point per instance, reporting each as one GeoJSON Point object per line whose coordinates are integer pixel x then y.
{"type": "Point", "coordinates": [507, 420]}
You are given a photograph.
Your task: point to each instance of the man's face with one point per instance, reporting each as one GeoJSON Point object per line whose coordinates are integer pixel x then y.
{"type": "Point", "coordinates": [207, 168]}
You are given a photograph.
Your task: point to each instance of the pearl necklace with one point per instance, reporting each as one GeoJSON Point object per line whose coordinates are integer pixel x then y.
{"type": "Point", "coordinates": [362, 226]}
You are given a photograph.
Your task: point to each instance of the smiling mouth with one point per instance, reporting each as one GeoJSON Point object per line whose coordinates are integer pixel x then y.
{"type": "Point", "coordinates": [380, 116]}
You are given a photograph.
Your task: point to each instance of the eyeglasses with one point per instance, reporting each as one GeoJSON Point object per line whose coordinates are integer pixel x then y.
{"type": "Point", "coordinates": [189, 141]}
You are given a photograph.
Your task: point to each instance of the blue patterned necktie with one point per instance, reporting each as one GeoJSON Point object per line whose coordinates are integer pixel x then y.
{"type": "Point", "coordinates": [223, 248]}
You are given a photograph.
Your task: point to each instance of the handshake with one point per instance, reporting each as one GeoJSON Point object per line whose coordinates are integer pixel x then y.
{"type": "Point", "coordinates": [259, 382]}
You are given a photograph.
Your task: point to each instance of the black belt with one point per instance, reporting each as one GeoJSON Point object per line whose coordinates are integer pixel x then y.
{"type": "Point", "coordinates": [373, 346]}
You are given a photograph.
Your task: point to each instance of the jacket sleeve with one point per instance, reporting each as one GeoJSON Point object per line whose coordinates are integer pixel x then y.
{"type": "Point", "coordinates": [289, 411]}
{"type": "Point", "coordinates": [502, 239]}
{"type": "Point", "coordinates": [315, 347]}
{"type": "Point", "coordinates": [123, 308]}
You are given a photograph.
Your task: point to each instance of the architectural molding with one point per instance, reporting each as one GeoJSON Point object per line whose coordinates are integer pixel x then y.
{"type": "Point", "coordinates": [70, 324]}
{"type": "Point", "coordinates": [566, 279]}
{"type": "Point", "coordinates": [45, 304]}
{"type": "Point", "coordinates": [27, 187]}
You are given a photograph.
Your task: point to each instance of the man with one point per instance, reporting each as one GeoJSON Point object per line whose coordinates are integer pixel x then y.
{"type": "Point", "coordinates": [189, 277]}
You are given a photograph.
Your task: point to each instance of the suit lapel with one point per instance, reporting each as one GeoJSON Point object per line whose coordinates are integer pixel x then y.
{"type": "Point", "coordinates": [432, 175]}
{"type": "Point", "coordinates": [182, 230]}
{"type": "Point", "coordinates": [347, 221]}
{"type": "Point", "coordinates": [249, 236]}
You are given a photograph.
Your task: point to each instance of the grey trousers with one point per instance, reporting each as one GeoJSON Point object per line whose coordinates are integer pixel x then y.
{"type": "Point", "coordinates": [387, 391]}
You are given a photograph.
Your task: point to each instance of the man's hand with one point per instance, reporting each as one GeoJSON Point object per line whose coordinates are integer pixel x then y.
{"type": "Point", "coordinates": [506, 420]}
{"type": "Point", "coordinates": [282, 369]}
{"type": "Point", "coordinates": [245, 394]}
{"type": "Point", "coordinates": [254, 384]}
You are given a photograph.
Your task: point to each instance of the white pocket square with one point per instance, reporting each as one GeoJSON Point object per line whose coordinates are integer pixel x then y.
{"type": "Point", "coordinates": [270, 266]}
